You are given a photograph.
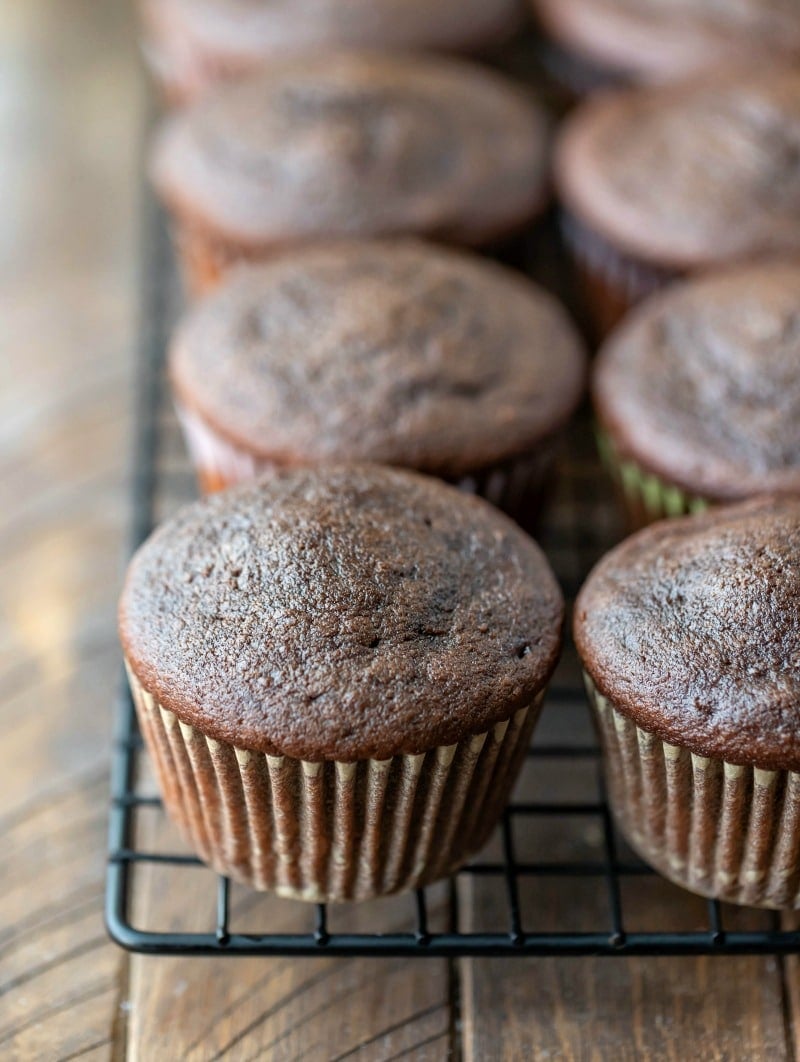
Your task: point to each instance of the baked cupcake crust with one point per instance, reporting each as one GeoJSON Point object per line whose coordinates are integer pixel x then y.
{"type": "Point", "coordinates": [691, 174]}
{"type": "Point", "coordinates": [397, 352]}
{"type": "Point", "coordinates": [352, 613]}
{"type": "Point", "coordinates": [691, 628]}
{"type": "Point", "coordinates": [659, 40]}
{"type": "Point", "coordinates": [244, 32]}
{"type": "Point", "coordinates": [702, 384]}
{"type": "Point", "coordinates": [346, 144]}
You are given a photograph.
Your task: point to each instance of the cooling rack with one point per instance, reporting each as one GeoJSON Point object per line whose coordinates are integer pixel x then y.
{"type": "Point", "coordinates": [556, 837]}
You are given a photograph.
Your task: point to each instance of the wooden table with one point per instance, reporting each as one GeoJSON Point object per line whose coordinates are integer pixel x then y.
{"type": "Point", "coordinates": [70, 114]}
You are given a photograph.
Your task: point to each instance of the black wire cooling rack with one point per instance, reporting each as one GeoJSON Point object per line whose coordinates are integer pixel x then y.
{"type": "Point", "coordinates": [556, 839]}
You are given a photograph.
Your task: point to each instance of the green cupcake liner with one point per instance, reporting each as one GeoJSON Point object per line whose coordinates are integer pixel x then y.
{"type": "Point", "coordinates": [646, 497]}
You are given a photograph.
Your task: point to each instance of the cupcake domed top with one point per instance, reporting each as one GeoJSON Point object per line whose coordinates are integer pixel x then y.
{"type": "Point", "coordinates": [654, 40]}
{"type": "Point", "coordinates": [252, 30]}
{"type": "Point", "coordinates": [702, 384]}
{"type": "Point", "coordinates": [690, 174]}
{"type": "Point", "coordinates": [344, 613]}
{"type": "Point", "coordinates": [692, 629]}
{"type": "Point", "coordinates": [356, 144]}
{"type": "Point", "coordinates": [397, 352]}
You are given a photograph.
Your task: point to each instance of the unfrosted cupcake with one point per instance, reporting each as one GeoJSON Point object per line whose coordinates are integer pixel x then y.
{"type": "Point", "coordinates": [337, 673]}
{"type": "Point", "coordinates": [689, 633]}
{"type": "Point", "coordinates": [191, 45]}
{"type": "Point", "coordinates": [658, 183]}
{"type": "Point", "coordinates": [398, 352]}
{"type": "Point", "coordinates": [349, 145]}
{"type": "Point", "coordinates": [601, 42]}
{"type": "Point", "coordinates": [698, 394]}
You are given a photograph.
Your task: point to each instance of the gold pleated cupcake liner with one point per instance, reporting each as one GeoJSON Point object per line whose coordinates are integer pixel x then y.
{"type": "Point", "coordinates": [517, 486]}
{"type": "Point", "coordinates": [333, 831]}
{"type": "Point", "coordinates": [719, 829]}
{"type": "Point", "coordinates": [645, 496]}
{"type": "Point", "coordinates": [613, 282]}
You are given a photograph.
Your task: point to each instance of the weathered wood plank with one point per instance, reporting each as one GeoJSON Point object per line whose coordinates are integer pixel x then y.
{"type": "Point", "coordinates": [278, 1008]}
{"type": "Point", "coordinates": [68, 126]}
{"type": "Point", "coordinates": [728, 1008]}
{"type": "Point", "coordinates": [59, 977]}
{"type": "Point", "coordinates": [625, 1009]}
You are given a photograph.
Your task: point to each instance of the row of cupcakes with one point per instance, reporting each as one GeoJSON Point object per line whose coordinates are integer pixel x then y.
{"type": "Point", "coordinates": [337, 669]}
{"type": "Point", "coordinates": [657, 184]}
{"type": "Point", "coordinates": [338, 665]}
{"type": "Point", "coordinates": [191, 45]}
{"type": "Point", "coordinates": [421, 357]}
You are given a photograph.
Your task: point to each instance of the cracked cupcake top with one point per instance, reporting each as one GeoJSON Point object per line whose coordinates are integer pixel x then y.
{"type": "Point", "coordinates": [396, 352]}
{"type": "Point", "coordinates": [692, 174]}
{"type": "Point", "coordinates": [356, 144]}
{"type": "Point", "coordinates": [344, 613]}
{"type": "Point", "coordinates": [692, 629]}
{"type": "Point", "coordinates": [702, 384]}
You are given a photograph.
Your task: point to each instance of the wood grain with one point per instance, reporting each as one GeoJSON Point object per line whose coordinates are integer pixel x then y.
{"type": "Point", "coordinates": [69, 109]}
{"type": "Point", "coordinates": [623, 1009]}
{"type": "Point", "coordinates": [59, 979]}
{"type": "Point", "coordinates": [278, 1008]}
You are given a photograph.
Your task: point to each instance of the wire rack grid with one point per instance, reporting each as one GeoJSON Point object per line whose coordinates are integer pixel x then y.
{"type": "Point", "coordinates": [540, 840]}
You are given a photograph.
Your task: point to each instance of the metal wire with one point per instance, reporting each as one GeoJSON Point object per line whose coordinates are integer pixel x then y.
{"type": "Point", "coordinates": [574, 543]}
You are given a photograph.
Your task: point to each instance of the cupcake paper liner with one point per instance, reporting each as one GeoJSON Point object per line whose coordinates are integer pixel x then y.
{"type": "Point", "coordinates": [574, 75]}
{"type": "Point", "coordinates": [644, 496]}
{"type": "Point", "coordinates": [719, 829]}
{"type": "Point", "coordinates": [181, 70]}
{"type": "Point", "coordinates": [517, 486]}
{"type": "Point", "coordinates": [204, 261]}
{"type": "Point", "coordinates": [218, 463]}
{"type": "Point", "coordinates": [612, 282]}
{"type": "Point", "coordinates": [333, 831]}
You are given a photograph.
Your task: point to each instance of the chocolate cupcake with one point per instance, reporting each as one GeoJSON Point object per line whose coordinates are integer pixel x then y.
{"type": "Point", "coordinates": [689, 633]}
{"type": "Point", "coordinates": [658, 183]}
{"type": "Point", "coordinates": [698, 393]}
{"type": "Point", "coordinates": [604, 42]}
{"type": "Point", "coordinates": [395, 352]}
{"type": "Point", "coordinates": [337, 673]}
{"type": "Point", "coordinates": [346, 145]}
{"type": "Point", "coordinates": [191, 45]}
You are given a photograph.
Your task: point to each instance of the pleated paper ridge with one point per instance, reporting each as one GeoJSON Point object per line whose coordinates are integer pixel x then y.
{"type": "Point", "coordinates": [516, 486]}
{"type": "Point", "coordinates": [646, 497]}
{"type": "Point", "coordinates": [333, 831]}
{"type": "Point", "coordinates": [628, 276]}
{"type": "Point", "coordinates": [717, 828]}
{"type": "Point", "coordinates": [204, 260]}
